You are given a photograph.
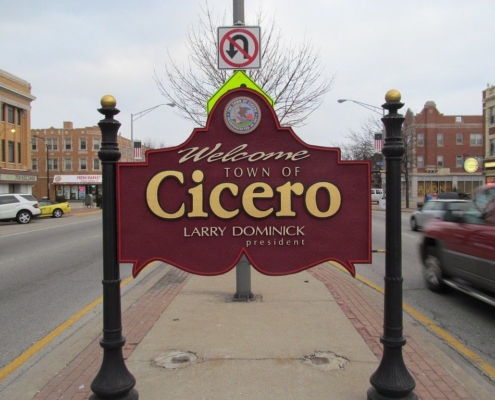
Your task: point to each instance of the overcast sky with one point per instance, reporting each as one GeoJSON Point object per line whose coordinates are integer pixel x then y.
{"type": "Point", "coordinates": [74, 52]}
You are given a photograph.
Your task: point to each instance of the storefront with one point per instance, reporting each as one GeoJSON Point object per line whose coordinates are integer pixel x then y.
{"type": "Point", "coordinates": [77, 187]}
{"type": "Point", "coordinates": [15, 181]}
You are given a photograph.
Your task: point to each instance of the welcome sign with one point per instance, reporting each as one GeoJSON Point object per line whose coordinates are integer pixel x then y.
{"type": "Point", "coordinates": [244, 185]}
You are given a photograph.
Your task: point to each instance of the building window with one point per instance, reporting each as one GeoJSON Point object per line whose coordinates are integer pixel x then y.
{"type": "Point", "coordinates": [96, 144]}
{"type": "Point", "coordinates": [52, 143]}
{"type": "Point", "coordinates": [458, 119]}
{"type": "Point", "coordinates": [440, 161]}
{"type": "Point", "coordinates": [34, 144]}
{"type": "Point", "coordinates": [421, 140]}
{"type": "Point", "coordinates": [476, 139]}
{"type": "Point", "coordinates": [82, 144]}
{"type": "Point", "coordinates": [440, 139]}
{"type": "Point", "coordinates": [492, 147]}
{"type": "Point", "coordinates": [10, 114]}
{"type": "Point", "coordinates": [68, 143]}
{"type": "Point", "coordinates": [67, 164]}
{"type": "Point", "coordinates": [96, 164]}
{"type": "Point", "coordinates": [83, 164]}
{"type": "Point", "coordinates": [34, 164]}
{"type": "Point", "coordinates": [53, 164]}
{"type": "Point", "coordinates": [19, 153]}
{"type": "Point", "coordinates": [3, 150]}
{"type": "Point", "coordinates": [458, 138]}
{"type": "Point", "coordinates": [458, 161]}
{"type": "Point", "coordinates": [19, 114]}
{"type": "Point", "coordinates": [421, 162]}
{"type": "Point", "coordinates": [492, 115]}
{"type": "Point", "coordinates": [11, 156]}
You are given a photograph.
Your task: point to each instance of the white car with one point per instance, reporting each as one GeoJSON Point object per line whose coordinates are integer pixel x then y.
{"type": "Point", "coordinates": [18, 207]}
{"type": "Point", "coordinates": [376, 195]}
{"type": "Point", "coordinates": [435, 209]}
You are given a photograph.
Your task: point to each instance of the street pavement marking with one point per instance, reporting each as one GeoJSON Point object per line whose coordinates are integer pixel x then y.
{"type": "Point", "coordinates": [472, 356]}
{"type": "Point", "coordinates": [26, 355]}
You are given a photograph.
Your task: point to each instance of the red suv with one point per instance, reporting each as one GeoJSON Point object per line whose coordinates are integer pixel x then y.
{"type": "Point", "coordinates": [459, 250]}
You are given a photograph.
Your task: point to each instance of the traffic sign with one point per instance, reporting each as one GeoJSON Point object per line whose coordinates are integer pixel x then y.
{"type": "Point", "coordinates": [239, 47]}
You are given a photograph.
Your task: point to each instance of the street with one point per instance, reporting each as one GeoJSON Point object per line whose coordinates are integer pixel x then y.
{"type": "Point", "coordinates": [469, 320]}
{"type": "Point", "coordinates": [52, 268]}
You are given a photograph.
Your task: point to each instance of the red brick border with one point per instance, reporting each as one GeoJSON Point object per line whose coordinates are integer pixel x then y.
{"type": "Point", "coordinates": [74, 381]}
{"type": "Point", "coordinates": [432, 380]}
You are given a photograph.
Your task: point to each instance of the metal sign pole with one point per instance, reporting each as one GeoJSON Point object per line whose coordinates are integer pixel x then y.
{"type": "Point", "coordinates": [243, 268]}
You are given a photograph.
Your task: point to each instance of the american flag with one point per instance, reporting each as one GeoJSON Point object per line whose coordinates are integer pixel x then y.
{"type": "Point", "coordinates": [378, 141]}
{"type": "Point", "coordinates": [137, 150]}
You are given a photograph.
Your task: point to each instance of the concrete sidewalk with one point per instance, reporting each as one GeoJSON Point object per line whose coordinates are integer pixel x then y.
{"type": "Point", "coordinates": [311, 335]}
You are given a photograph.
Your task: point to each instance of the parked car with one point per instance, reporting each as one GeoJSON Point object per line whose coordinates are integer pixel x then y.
{"type": "Point", "coordinates": [434, 209]}
{"type": "Point", "coordinates": [50, 208]}
{"type": "Point", "coordinates": [18, 207]}
{"type": "Point", "coordinates": [459, 251]}
{"type": "Point", "coordinates": [376, 195]}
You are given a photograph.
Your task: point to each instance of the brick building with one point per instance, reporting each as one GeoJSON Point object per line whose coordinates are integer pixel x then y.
{"type": "Point", "coordinates": [442, 144]}
{"type": "Point", "coordinates": [15, 135]}
{"type": "Point", "coordinates": [74, 169]}
{"type": "Point", "coordinates": [489, 133]}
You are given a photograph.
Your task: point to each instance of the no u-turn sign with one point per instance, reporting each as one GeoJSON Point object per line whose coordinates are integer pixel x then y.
{"type": "Point", "coordinates": [239, 47]}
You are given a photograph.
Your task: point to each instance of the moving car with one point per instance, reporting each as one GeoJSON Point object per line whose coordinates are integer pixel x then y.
{"type": "Point", "coordinates": [50, 208]}
{"type": "Point", "coordinates": [376, 195]}
{"type": "Point", "coordinates": [18, 207]}
{"type": "Point", "coordinates": [459, 251]}
{"type": "Point", "coordinates": [434, 209]}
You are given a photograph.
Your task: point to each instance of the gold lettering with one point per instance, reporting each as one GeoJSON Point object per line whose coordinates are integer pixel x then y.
{"type": "Point", "coordinates": [333, 193]}
{"type": "Point", "coordinates": [251, 193]}
{"type": "Point", "coordinates": [197, 196]}
{"type": "Point", "coordinates": [286, 191]}
{"type": "Point", "coordinates": [216, 204]}
{"type": "Point", "coordinates": [152, 195]}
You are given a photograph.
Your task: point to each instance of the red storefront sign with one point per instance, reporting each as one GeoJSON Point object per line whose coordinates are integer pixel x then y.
{"type": "Point", "coordinates": [244, 185]}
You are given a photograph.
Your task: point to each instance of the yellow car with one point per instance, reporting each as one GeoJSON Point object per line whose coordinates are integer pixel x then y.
{"type": "Point", "coordinates": [50, 208]}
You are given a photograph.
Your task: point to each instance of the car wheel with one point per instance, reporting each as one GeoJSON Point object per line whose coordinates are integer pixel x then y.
{"type": "Point", "coordinates": [57, 213]}
{"type": "Point", "coordinates": [433, 270]}
{"type": "Point", "coordinates": [414, 224]}
{"type": "Point", "coordinates": [24, 217]}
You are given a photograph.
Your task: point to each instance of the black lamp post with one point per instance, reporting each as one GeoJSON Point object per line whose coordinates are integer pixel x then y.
{"type": "Point", "coordinates": [113, 381]}
{"type": "Point", "coordinates": [47, 167]}
{"type": "Point", "coordinates": [392, 380]}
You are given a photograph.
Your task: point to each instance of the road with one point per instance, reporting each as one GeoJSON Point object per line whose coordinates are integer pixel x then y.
{"type": "Point", "coordinates": [470, 321]}
{"type": "Point", "coordinates": [50, 269]}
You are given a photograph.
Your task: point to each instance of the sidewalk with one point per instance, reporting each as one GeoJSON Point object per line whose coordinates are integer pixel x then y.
{"type": "Point", "coordinates": [311, 335]}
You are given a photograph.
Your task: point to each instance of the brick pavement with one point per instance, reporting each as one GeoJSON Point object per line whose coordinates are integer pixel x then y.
{"type": "Point", "coordinates": [432, 380]}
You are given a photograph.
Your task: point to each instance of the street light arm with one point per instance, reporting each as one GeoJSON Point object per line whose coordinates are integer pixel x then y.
{"type": "Point", "coordinates": [148, 110]}
{"type": "Point", "coordinates": [368, 106]}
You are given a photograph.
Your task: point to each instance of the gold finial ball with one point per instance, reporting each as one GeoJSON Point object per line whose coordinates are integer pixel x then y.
{"type": "Point", "coordinates": [108, 101]}
{"type": "Point", "coordinates": [392, 95]}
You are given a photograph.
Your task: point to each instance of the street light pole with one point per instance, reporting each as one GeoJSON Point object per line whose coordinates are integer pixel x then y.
{"type": "Point", "coordinates": [140, 114]}
{"type": "Point", "coordinates": [47, 167]}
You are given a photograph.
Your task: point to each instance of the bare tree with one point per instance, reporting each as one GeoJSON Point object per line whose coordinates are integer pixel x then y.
{"type": "Point", "coordinates": [291, 75]}
{"type": "Point", "coordinates": [359, 145]}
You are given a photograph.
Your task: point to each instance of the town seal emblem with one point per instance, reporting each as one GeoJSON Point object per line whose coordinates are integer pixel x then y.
{"type": "Point", "coordinates": [242, 115]}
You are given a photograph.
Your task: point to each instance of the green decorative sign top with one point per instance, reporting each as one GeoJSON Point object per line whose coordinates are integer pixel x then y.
{"type": "Point", "coordinates": [237, 80]}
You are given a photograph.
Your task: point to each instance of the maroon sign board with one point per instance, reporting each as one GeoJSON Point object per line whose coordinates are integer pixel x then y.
{"type": "Point", "coordinates": [244, 185]}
